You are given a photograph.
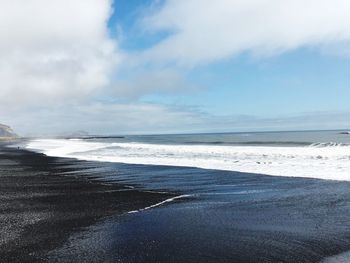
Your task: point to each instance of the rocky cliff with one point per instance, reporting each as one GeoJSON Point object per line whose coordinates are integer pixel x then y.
{"type": "Point", "coordinates": [6, 132]}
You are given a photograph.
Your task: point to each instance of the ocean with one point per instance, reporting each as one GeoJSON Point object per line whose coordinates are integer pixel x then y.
{"type": "Point", "coordinates": [314, 154]}
{"type": "Point", "coordinates": [230, 197]}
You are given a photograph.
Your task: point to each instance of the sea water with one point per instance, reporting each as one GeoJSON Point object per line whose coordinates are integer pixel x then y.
{"type": "Point", "coordinates": [313, 154]}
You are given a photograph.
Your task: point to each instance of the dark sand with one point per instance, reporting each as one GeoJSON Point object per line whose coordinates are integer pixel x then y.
{"type": "Point", "coordinates": [44, 200]}
{"type": "Point", "coordinates": [64, 210]}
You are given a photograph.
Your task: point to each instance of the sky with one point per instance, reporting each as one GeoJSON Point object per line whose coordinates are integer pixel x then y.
{"type": "Point", "coordinates": [174, 66]}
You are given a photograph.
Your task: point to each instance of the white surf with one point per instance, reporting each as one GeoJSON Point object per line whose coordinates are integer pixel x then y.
{"type": "Point", "coordinates": [324, 161]}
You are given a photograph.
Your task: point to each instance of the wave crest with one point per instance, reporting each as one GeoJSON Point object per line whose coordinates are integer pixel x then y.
{"type": "Point", "coordinates": [322, 160]}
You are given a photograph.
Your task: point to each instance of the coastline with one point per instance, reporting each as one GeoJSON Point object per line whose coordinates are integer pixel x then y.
{"type": "Point", "coordinates": [57, 209]}
{"type": "Point", "coordinates": [7, 139]}
{"type": "Point", "coordinates": [44, 200]}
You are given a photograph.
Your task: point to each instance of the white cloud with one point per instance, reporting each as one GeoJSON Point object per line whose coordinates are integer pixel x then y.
{"type": "Point", "coordinates": [102, 118]}
{"type": "Point", "coordinates": [57, 60]}
{"type": "Point", "coordinates": [54, 49]}
{"type": "Point", "coordinates": [143, 118]}
{"type": "Point", "coordinates": [207, 31]}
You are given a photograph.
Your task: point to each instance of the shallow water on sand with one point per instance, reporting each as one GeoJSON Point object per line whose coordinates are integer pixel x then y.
{"type": "Point", "coordinates": [223, 217]}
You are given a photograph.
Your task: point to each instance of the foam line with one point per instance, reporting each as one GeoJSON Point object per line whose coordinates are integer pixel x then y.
{"type": "Point", "coordinates": [323, 161]}
{"type": "Point", "coordinates": [159, 204]}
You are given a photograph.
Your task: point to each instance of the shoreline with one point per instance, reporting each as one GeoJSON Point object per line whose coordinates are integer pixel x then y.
{"type": "Point", "coordinates": [57, 209]}
{"type": "Point", "coordinates": [44, 200]}
{"type": "Point", "coordinates": [319, 161]}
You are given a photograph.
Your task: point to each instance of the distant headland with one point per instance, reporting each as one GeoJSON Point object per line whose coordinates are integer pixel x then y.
{"type": "Point", "coordinates": [6, 132]}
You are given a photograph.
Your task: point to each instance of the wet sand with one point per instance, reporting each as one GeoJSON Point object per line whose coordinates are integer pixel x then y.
{"type": "Point", "coordinates": [45, 200]}
{"type": "Point", "coordinates": [65, 210]}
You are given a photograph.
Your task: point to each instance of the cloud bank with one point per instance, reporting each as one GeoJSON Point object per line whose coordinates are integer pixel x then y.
{"type": "Point", "coordinates": [61, 70]}
{"type": "Point", "coordinates": [147, 118]}
{"type": "Point", "coordinates": [202, 32]}
{"type": "Point", "coordinates": [54, 49]}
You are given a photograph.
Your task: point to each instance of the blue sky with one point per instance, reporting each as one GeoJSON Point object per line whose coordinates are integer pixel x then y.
{"type": "Point", "coordinates": [293, 83]}
{"type": "Point", "coordinates": [174, 66]}
{"type": "Point", "coordinates": [303, 80]}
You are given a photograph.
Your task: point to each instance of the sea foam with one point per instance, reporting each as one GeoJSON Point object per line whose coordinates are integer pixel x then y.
{"type": "Point", "coordinates": [324, 161]}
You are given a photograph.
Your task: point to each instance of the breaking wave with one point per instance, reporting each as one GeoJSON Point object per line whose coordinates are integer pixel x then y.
{"type": "Point", "coordinates": [322, 160]}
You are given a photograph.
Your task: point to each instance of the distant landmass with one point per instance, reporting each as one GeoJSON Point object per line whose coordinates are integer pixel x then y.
{"type": "Point", "coordinates": [6, 132]}
{"type": "Point", "coordinates": [77, 134]}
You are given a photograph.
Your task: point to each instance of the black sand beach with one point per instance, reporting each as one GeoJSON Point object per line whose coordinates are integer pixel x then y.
{"type": "Point", "coordinates": [65, 210]}
{"type": "Point", "coordinates": [44, 200]}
